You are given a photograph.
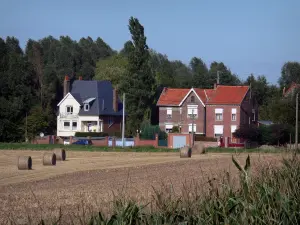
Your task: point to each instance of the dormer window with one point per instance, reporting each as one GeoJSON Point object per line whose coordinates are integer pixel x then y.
{"type": "Point", "coordinates": [69, 109]}
{"type": "Point", "coordinates": [192, 99]}
{"type": "Point", "coordinates": [86, 107]}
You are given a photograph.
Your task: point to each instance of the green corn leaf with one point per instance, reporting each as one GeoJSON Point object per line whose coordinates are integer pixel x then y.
{"type": "Point", "coordinates": [247, 166]}
{"type": "Point", "coordinates": [236, 164]}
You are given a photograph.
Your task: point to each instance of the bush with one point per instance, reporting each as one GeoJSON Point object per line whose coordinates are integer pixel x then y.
{"type": "Point", "coordinates": [91, 134]}
{"type": "Point", "coordinates": [175, 129]}
{"type": "Point", "coordinates": [199, 137]}
{"type": "Point", "coordinates": [273, 134]}
{"type": "Point", "coordinates": [148, 132]}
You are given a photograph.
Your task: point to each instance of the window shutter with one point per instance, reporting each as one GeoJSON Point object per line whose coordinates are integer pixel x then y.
{"type": "Point", "coordinates": [218, 110]}
{"type": "Point", "coordinates": [218, 129]}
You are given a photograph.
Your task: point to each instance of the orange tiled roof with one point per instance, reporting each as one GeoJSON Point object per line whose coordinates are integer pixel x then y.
{"type": "Point", "coordinates": [228, 94]}
{"type": "Point", "coordinates": [221, 95]}
{"type": "Point", "coordinates": [172, 96]}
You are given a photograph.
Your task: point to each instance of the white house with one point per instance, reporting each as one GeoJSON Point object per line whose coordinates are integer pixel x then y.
{"type": "Point", "coordinates": [88, 106]}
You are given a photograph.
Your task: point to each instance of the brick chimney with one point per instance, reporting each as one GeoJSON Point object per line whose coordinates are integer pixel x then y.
{"type": "Point", "coordinates": [215, 86]}
{"type": "Point", "coordinates": [80, 78]}
{"type": "Point", "coordinates": [66, 85]}
{"type": "Point", "coordinates": [115, 100]}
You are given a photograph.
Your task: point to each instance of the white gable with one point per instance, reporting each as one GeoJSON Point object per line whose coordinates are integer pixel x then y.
{"type": "Point", "coordinates": [68, 101]}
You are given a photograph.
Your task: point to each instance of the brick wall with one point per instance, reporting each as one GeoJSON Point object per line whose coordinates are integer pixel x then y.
{"type": "Point", "coordinates": [182, 119]}
{"type": "Point", "coordinates": [226, 122]}
{"type": "Point", "coordinates": [139, 142]}
{"type": "Point", "coordinates": [44, 140]}
{"type": "Point", "coordinates": [116, 127]}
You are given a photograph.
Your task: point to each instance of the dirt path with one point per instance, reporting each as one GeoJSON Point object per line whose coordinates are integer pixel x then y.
{"type": "Point", "coordinates": [88, 180]}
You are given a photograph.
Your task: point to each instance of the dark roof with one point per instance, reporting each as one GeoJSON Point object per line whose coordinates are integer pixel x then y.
{"type": "Point", "coordinates": [102, 91]}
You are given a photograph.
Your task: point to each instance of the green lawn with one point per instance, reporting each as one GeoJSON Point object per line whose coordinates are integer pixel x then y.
{"type": "Point", "coordinates": [25, 146]}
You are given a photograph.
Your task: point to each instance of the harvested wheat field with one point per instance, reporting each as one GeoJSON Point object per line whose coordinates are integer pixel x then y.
{"type": "Point", "coordinates": [88, 181]}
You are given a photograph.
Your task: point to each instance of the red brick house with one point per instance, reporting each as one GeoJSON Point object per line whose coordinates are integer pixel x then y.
{"type": "Point", "coordinates": [217, 112]}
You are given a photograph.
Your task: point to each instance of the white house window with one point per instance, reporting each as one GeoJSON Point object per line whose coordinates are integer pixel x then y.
{"type": "Point", "coordinates": [66, 125]}
{"type": "Point", "coordinates": [191, 128]}
{"type": "Point", "coordinates": [169, 128]}
{"type": "Point", "coordinates": [233, 114]}
{"type": "Point", "coordinates": [192, 110]}
{"type": "Point", "coordinates": [110, 121]}
{"type": "Point", "coordinates": [74, 125]}
{"type": "Point", "coordinates": [169, 113]}
{"type": "Point", "coordinates": [218, 130]}
{"type": "Point", "coordinates": [86, 107]}
{"type": "Point", "coordinates": [69, 109]}
{"type": "Point", "coordinates": [219, 114]}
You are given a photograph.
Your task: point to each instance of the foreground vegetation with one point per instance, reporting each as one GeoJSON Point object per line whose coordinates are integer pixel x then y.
{"type": "Point", "coordinates": [272, 197]}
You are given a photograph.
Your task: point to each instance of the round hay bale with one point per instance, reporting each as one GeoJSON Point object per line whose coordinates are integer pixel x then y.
{"type": "Point", "coordinates": [60, 154]}
{"type": "Point", "coordinates": [49, 159]}
{"type": "Point", "coordinates": [185, 152]}
{"type": "Point", "coordinates": [198, 148]}
{"type": "Point", "coordinates": [24, 163]}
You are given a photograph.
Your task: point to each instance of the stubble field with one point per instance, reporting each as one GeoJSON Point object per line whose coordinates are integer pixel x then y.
{"type": "Point", "coordinates": [90, 181]}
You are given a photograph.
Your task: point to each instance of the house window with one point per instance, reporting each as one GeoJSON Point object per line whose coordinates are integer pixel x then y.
{"type": "Point", "coordinates": [253, 114]}
{"type": "Point", "coordinates": [86, 107]}
{"type": "Point", "coordinates": [169, 113]}
{"type": "Point", "coordinates": [69, 109]}
{"type": "Point", "coordinates": [169, 128]}
{"type": "Point", "coordinates": [219, 114]}
{"type": "Point", "coordinates": [233, 114]}
{"type": "Point", "coordinates": [218, 130]}
{"type": "Point", "coordinates": [66, 125]}
{"type": "Point", "coordinates": [74, 125]}
{"type": "Point", "coordinates": [192, 111]}
{"type": "Point", "coordinates": [110, 121]}
{"type": "Point", "coordinates": [192, 99]}
{"type": "Point", "coordinates": [192, 128]}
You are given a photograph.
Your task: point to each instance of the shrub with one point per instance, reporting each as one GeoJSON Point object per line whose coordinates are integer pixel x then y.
{"type": "Point", "coordinates": [175, 129]}
{"type": "Point", "coordinates": [273, 134]}
{"type": "Point", "coordinates": [148, 132]}
{"type": "Point", "coordinates": [199, 137]}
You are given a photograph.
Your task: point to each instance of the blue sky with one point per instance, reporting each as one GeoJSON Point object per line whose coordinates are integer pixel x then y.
{"type": "Point", "coordinates": [255, 36]}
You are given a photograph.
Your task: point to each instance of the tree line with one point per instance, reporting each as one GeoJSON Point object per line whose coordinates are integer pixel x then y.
{"type": "Point", "coordinates": [31, 80]}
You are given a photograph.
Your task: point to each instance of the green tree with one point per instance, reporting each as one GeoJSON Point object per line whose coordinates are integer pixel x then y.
{"type": "Point", "coordinates": [139, 82]}
{"type": "Point", "coordinates": [290, 72]}
{"type": "Point", "coordinates": [225, 75]}
{"type": "Point", "coordinates": [113, 69]}
{"type": "Point", "coordinates": [16, 92]}
{"type": "Point", "coordinates": [37, 121]}
{"type": "Point", "coordinates": [200, 73]}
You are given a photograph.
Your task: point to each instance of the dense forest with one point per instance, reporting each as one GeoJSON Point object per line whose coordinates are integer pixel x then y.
{"type": "Point", "coordinates": [31, 80]}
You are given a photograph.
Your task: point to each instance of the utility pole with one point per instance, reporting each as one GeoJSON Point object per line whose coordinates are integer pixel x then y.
{"type": "Point", "coordinates": [296, 133]}
{"type": "Point", "coordinates": [123, 125]}
{"type": "Point", "coordinates": [218, 77]}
